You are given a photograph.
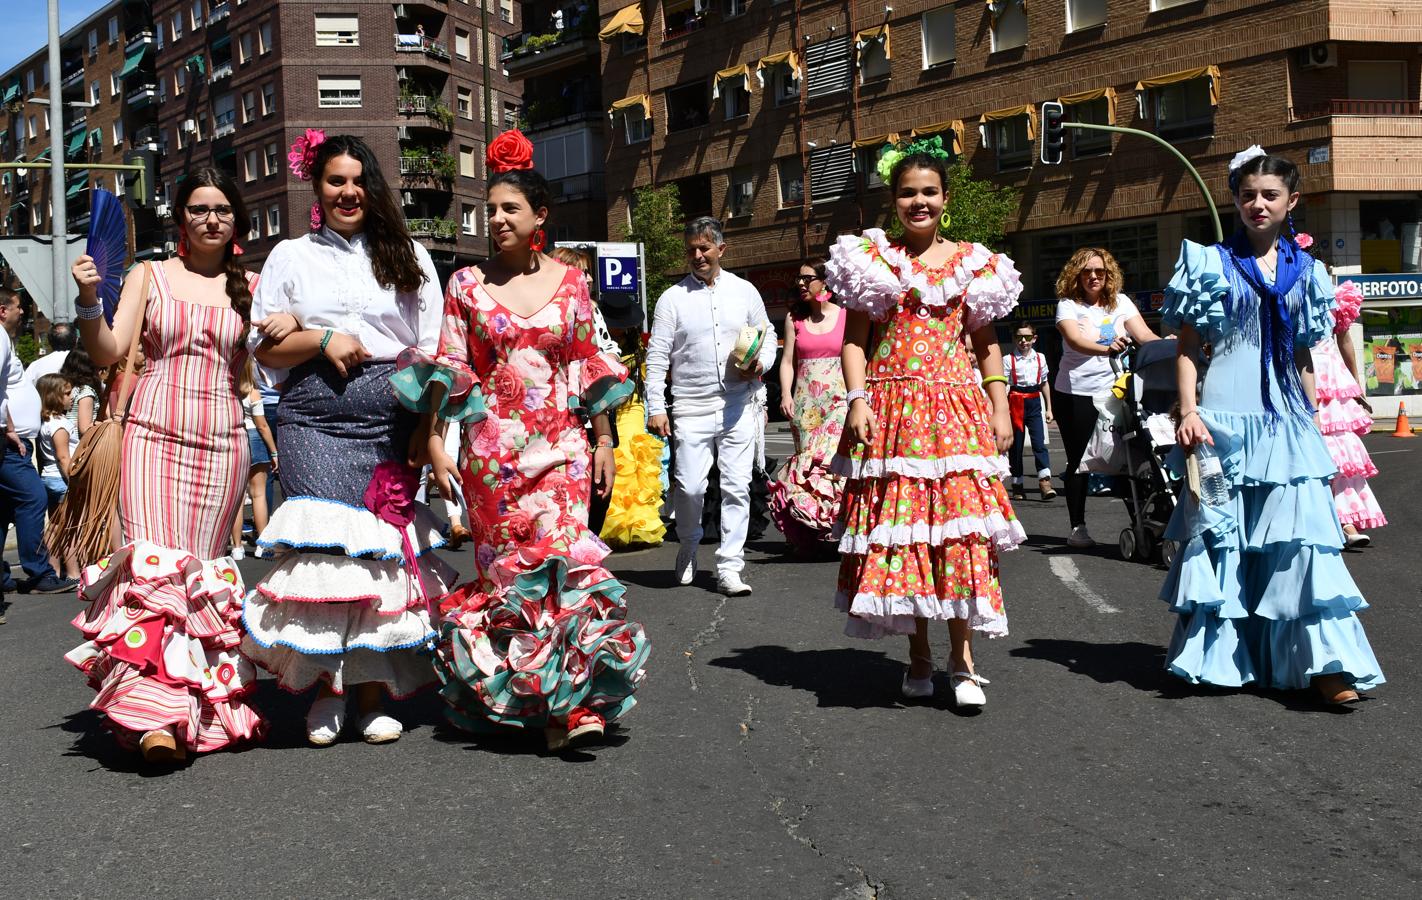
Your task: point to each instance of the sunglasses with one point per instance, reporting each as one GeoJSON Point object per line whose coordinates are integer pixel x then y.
{"type": "Point", "coordinates": [806, 279]}
{"type": "Point", "coordinates": [1025, 337]}
{"type": "Point", "coordinates": [1094, 273]}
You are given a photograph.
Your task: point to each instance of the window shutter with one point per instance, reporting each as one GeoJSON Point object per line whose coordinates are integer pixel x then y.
{"type": "Point", "coordinates": [828, 67]}
{"type": "Point", "coordinates": [831, 173]}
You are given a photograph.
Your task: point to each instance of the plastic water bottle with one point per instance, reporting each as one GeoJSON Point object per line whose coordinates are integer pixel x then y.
{"type": "Point", "coordinates": [1214, 489]}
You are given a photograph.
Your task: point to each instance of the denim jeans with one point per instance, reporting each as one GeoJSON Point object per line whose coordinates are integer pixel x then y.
{"type": "Point", "coordinates": [23, 502]}
{"type": "Point", "coordinates": [1033, 424]}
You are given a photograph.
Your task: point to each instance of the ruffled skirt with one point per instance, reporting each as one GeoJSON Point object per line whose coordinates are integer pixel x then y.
{"type": "Point", "coordinates": [805, 496]}
{"type": "Point", "coordinates": [634, 511]}
{"type": "Point", "coordinates": [925, 513]}
{"type": "Point", "coordinates": [1259, 585]}
{"type": "Point", "coordinates": [161, 647]}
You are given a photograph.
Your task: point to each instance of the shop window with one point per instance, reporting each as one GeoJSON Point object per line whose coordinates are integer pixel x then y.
{"type": "Point", "coordinates": [828, 67]}
{"type": "Point", "coordinates": [1083, 14]}
{"type": "Point", "coordinates": [1183, 111]}
{"type": "Point", "coordinates": [1090, 143]}
{"type": "Point", "coordinates": [791, 179]}
{"type": "Point", "coordinates": [939, 46]}
{"type": "Point", "coordinates": [1392, 350]}
{"type": "Point", "coordinates": [687, 107]}
{"type": "Point", "coordinates": [1009, 24]}
{"type": "Point", "coordinates": [831, 173]}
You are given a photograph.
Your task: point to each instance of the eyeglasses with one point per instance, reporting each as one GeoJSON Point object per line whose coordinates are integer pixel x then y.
{"type": "Point", "coordinates": [1094, 273]}
{"type": "Point", "coordinates": [200, 212]}
{"type": "Point", "coordinates": [806, 279]}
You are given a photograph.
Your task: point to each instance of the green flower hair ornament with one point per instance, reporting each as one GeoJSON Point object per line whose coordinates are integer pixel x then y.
{"type": "Point", "coordinates": [892, 153]}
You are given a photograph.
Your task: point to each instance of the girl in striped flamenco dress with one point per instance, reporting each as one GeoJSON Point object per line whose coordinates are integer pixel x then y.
{"type": "Point", "coordinates": [161, 630]}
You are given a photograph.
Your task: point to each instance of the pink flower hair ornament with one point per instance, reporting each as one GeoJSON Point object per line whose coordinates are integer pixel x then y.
{"type": "Point", "coordinates": [1304, 240]}
{"type": "Point", "coordinates": [303, 153]}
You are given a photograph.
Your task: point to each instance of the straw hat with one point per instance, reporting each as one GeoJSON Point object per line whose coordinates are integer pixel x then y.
{"type": "Point", "coordinates": [748, 344]}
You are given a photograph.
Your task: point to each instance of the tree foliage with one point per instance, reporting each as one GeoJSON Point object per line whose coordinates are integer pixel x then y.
{"type": "Point", "coordinates": [657, 225]}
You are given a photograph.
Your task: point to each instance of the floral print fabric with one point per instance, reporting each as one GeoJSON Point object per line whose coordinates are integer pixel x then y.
{"type": "Point", "coordinates": [804, 499]}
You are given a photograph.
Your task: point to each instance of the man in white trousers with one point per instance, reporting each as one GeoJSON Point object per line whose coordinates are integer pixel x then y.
{"type": "Point", "coordinates": [714, 412]}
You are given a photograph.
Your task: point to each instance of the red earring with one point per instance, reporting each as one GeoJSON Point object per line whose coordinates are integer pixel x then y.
{"type": "Point", "coordinates": [537, 241]}
{"type": "Point", "coordinates": [183, 243]}
{"type": "Point", "coordinates": [237, 249]}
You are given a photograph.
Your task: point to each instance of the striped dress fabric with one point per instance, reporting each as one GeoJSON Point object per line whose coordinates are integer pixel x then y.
{"type": "Point", "coordinates": [161, 628]}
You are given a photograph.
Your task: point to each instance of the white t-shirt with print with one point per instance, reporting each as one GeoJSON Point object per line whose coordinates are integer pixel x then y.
{"type": "Point", "coordinates": [1082, 374]}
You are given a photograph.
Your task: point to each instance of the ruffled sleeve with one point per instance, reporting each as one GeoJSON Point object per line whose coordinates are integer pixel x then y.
{"type": "Point", "coordinates": [1316, 316]}
{"type": "Point", "coordinates": [1196, 293]}
{"type": "Point", "coordinates": [599, 379]}
{"type": "Point", "coordinates": [416, 369]}
{"type": "Point", "coordinates": [863, 275]}
{"type": "Point", "coordinates": [993, 291]}
{"type": "Point", "coordinates": [1348, 298]}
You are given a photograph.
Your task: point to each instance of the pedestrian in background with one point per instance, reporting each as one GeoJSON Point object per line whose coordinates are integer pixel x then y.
{"type": "Point", "coordinates": [1095, 320]}
{"type": "Point", "coordinates": [160, 628]}
{"type": "Point", "coordinates": [264, 458]}
{"type": "Point", "coordinates": [1259, 587]}
{"type": "Point", "coordinates": [55, 448]}
{"type": "Point", "coordinates": [61, 342]}
{"type": "Point", "coordinates": [81, 373]}
{"type": "Point", "coordinates": [1031, 406]}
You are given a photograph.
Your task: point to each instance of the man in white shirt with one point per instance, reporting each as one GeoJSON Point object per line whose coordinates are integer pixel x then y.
{"type": "Point", "coordinates": [61, 341]}
{"type": "Point", "coordinates": [22, 497]}
{"type": "Point", "coordinates": [716, 417]}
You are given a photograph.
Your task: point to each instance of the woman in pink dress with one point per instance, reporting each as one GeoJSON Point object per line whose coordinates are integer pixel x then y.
{"type": "Point", "coordinates": [539, 639]}
{"type": "Point", "coordinates": [804, 499]}
{"type": "Point", "coordinates": [161, 627]}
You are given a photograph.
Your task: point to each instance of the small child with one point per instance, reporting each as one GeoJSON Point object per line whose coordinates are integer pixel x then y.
{"type": "Point", "coordinates": [58, 439]}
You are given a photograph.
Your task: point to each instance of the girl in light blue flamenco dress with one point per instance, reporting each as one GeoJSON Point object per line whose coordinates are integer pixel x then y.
{"type": "Point", "coordinates": [1259, 586]}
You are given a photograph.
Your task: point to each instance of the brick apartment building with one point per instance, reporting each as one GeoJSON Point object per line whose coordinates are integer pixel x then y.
{"type": "Point", "coordinates": [105, 63]}
{"type": "Point", "coordinates": [239, 80]}
{"type": "Point", "coordinates": [770, 115]}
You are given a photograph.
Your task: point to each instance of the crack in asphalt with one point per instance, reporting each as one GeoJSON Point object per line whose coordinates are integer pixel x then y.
{"type": "Point", "coordinates": [867, 889]}
{"type": "Point", "coordinates": [705, 636]}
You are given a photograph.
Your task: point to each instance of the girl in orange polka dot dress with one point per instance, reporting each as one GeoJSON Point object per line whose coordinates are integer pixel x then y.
{"type": "Point", "coordinates": [925, 511]}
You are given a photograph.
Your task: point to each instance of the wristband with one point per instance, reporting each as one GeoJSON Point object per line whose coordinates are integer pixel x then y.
{"type": "Point", "coordinates": [856, 394]}
{"type": "Point", "coordinates": [96, 311]}
{"type": "Point", "coordinates": [1186, 415]}
{"type": "Point", "coordinates": [326, 339]}
{"type": "Point", "coordinates": [604, 440]}
{"type": "Point", "coordinates": [1001, 379]}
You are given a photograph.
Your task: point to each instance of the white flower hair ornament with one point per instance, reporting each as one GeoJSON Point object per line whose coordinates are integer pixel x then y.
{"type": "Point", "coordinates": [1245, 156]}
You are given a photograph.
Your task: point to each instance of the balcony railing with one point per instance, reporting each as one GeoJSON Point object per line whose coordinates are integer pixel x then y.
{"type": "Point", "coordinates": [433, 108]}
{"type": "Point", "coordinates": [220, 71]}
{"type": "Point", "coordinates": [142, 96]}
{"type": "Point", "coordinates": [72, 79]}
{"type": "Point", "coordinates": [147, 136]}
{"type": "Point", "coordinates": [138, 39]}
{"type": "Point", "coordinates": [78, 123]}
{"type": "Point", "coordinates": [436, 229]}
{"type": "Point", "coordinates": [224, 124]}
{"type": "Point", "coordinates": [1357, 108]}
{"type": "Point", "coordinates": [219, 12]}
{"type": "Point", "coordinates": [419, 43]}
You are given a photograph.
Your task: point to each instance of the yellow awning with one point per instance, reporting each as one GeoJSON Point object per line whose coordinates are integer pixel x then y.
{"type": "Point", "coordinates": [1210, 72]}
{"type": "Point", "coordinates": [788, 58]}
{"type": "Point", "coordinates": [954, 127]}
{"type": "Point", "coordinates": [626, 103]}
{"type": "Point", "coordinates": [1013, 112]}
{"type": "Point", "coordinates": [1087, 96]}
{"type": "Point", "coordinates": [627, 21]}
{"type": "Point", "coordinates": [742, 71]}
{"type": "Point", "coordinates": [873, 34]}
{"type": "Point", "coordinates": [890, 138]}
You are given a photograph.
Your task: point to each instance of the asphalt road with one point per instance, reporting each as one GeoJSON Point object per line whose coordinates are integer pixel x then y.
{"type": "Point", "coordinates": [772, 757]}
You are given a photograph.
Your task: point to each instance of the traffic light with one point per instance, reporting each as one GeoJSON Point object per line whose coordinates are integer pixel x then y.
{"type": "Point", "coordinates": [1053, 135]}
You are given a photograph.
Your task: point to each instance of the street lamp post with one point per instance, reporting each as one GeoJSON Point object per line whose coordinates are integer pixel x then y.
{"type": "Point", "coordinates": [59, 227]}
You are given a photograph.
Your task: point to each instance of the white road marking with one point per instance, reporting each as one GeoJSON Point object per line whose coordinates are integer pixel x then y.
{"type": "Point", "coordinates": [1381, 452]}
{"type": "Point", "coordinates": [1066, 570]}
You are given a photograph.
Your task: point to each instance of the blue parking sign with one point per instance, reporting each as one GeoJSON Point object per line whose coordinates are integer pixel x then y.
{"type": "Point", "coordinates": [617, 268]}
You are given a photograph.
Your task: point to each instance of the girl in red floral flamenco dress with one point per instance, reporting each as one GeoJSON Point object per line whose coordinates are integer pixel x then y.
{"type": "Point", "coordinates": [540, 637]}
{"type": "Point", "coordinates": [925, 511]}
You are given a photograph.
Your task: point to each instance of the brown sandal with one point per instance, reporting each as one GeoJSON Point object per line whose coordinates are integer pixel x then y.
{"type": "Point", "coordinates": [161, 746]}
{"type": "Point", "coordinates": [1335, 689]}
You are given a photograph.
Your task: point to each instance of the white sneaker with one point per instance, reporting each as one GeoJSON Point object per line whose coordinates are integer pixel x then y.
{"type": "Point", "coordinates": [731, 585]}
{"type": "Point", "coordinates": [967, 689]}
{"type": "Point", "coordinates": [238, 552]}
{"type": "Point", "coordinates": [686, 565]}
{"type": "Point", "coordinates": [378, 728]}
{"type": "Point", "coordinates": [1079, 538]}
{"type": "Point", "coordinates": [1356, 539]}
{"type": "Point", "coordinates": [325, 720]}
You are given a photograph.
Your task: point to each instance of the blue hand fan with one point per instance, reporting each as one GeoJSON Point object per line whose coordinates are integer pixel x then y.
{"type": "Point", "coordinates": [108, 245]}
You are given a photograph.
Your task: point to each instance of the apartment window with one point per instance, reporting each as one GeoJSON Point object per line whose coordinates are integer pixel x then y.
{"type": "Point", "coordinates": [633, 43]}
{"type": "Point", "coordinates": [827, 68]}
{"type": "Point", "coordinates": [158, 34]}
{"type": "Point", "coordinates": [96, 140]}
{"type": "Point", "coordinates": [687, 107]}
{"type": "Point", "coordinates": [30, 82]}
{"type": "Point", "coordinates": [249, 106]}
{"type": "Point", "coordinates": [115, 84]}
{"type": "Point", "coordinates": [93, 42]}
{"type": "Point", "coordinates": [791, 178]}
{"type": "Point", "coordinates": [268, 99]}
{"type": "Point", "coordinates": [466, 162]}
{"type": "Point", "coordinates": [264, 37]}
{"type": "Point", "coordinates": [637, 126]}
{"type": "Point", "coordinates": [94, 94]}
{"type": "Point", "coordinates": [273, 161]}
{"type": "Point", "coordinates": [1083, 14]}
{"type": "Point", "coordinates": [113, 30]}
{"type": "Point", "coordinates": [337, 31]}
{"type": "Point", "coordinates": [874, 58]}
{"type": "Point", "coordinates": [180, 80]}
{"type": "Point", "coordinates": [506, 10]}
{"type": "Point", "coordinates": [468, 216]}
{"type": "Point", "coordinates": [1009, 24]}
{"type": "Point", "coordinates": [175, 27]}
{"type": "Point", "coordinates": [831, 173]}
{"type": "Point", "coordinates": [337, 90]}
{"type": "Point", "coordinates": [178, 136]}
{"type": "Point", "coordinates": [734, 8]}
{"type": "Point", "coordinates": [1090, 143]}
{"type": "Point", "coordinates": [682, 16]}
{"type": "Point", "coordinates": [1010, 140]}
{"type": "Point", "coordinates": [201, 126]}
{"type": "Point", "coordinates": [195, 15]}
{"type": "Point", "coordinates": [273, 220]}
{"type": "Point", "coordinates": [866, 160]}
{"type": "Point", "coordinates": [741, 202]}
{"type": "Point", "coordinates": [254, 226]}
{"type": "Point", "coordinates": [31, 126]}
{"type": "Point", "coordinates": [461, 43]}
{"type": "Point", "coordinates": [1184, 110]}
{"type": "Point", "coordinates": [36, 216]}
{"type": "Point", "coordinates": [510, 114]}
{"type": "Point", "coordinates": [250, 159]}
{"type": "Point", "coordinates": [118, 132]}
{"type": "Point", "coordinates": [464, 102]}
{"type": "Point", "coordinates": [46, 120]}
{"type": "Point", "coordinates": [735, 96]}
{"type": "Point", "coordinates": [244, 48]}
{"type": "Point", "coordinates": [1156, 5]}
{"type": "Point", "coordinates": [120, 184]}
{"type": "Point", "coordinates": [1377, 79]}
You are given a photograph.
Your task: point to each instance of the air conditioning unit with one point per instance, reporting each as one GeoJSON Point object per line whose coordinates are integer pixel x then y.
{"type": "Point", "coordinates": [162, 210]}
{"type": "Point", "coordinates": [1318, 56]}
{"type": "Point", "coordinates": [170, 248]}
{"type": "Point", "coordinates": [190, 126]}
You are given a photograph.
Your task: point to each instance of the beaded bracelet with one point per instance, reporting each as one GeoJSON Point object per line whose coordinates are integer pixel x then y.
{"type": "Point", "coordinates": [604, 442]}
{"type": "Point", "coordinates": [856, 394]}
{"type": "Point", "coordinates": [326, 339]}
{"type": "Point", "coordinates": [88, 312]}
{"type": "Point", "coordinates": [1002, 379]}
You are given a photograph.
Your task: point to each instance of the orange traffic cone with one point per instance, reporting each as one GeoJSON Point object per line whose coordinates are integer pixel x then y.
{"type": "Point", "coordinates": [1403, 429]}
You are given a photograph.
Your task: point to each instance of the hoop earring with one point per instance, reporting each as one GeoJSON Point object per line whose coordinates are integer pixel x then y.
{"type": "Point", "coordinates": [537, 241]}
{"type": "Point", "coordinates": [183, 243]}
{"type": "Point", "coordinates": [945, 221]}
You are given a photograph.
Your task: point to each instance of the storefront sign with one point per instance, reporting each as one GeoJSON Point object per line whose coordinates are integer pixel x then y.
{"type": "Point", "coordinates": [1388, 287]}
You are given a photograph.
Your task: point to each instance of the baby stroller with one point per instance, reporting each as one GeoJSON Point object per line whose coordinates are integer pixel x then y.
{"type": "Point", "coordinates": [1148, 391]}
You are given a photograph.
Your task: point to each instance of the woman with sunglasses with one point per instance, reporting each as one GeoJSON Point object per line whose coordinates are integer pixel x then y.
{"type": "Point", "coordinates": [1095, 320]}
{"type": "Point", "coordinates": [804, 500]}
{"type": "Point", "coordinates": [1031, 406]}
{"type": "Point", "coordinates": [161, 626]}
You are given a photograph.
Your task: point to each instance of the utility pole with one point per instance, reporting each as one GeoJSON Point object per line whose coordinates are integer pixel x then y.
{"type": "Point", "coordinates": [63, 309]}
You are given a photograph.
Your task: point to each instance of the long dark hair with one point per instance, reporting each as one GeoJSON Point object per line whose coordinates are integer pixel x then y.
{"type": "Point", "coordinates": [392, 253]}
{"type": "Point", "coordinates": [207, 176]}
{"type": "Point", "coordinates": [799, 309]}
{"type": "Point", "coordinates": [79, 369]}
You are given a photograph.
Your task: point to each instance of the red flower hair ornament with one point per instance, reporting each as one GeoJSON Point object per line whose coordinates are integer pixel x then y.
{"type": "Point", "coordinates": [509, 151]}
{"type": "Point", "coordinates": [303, 153]}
